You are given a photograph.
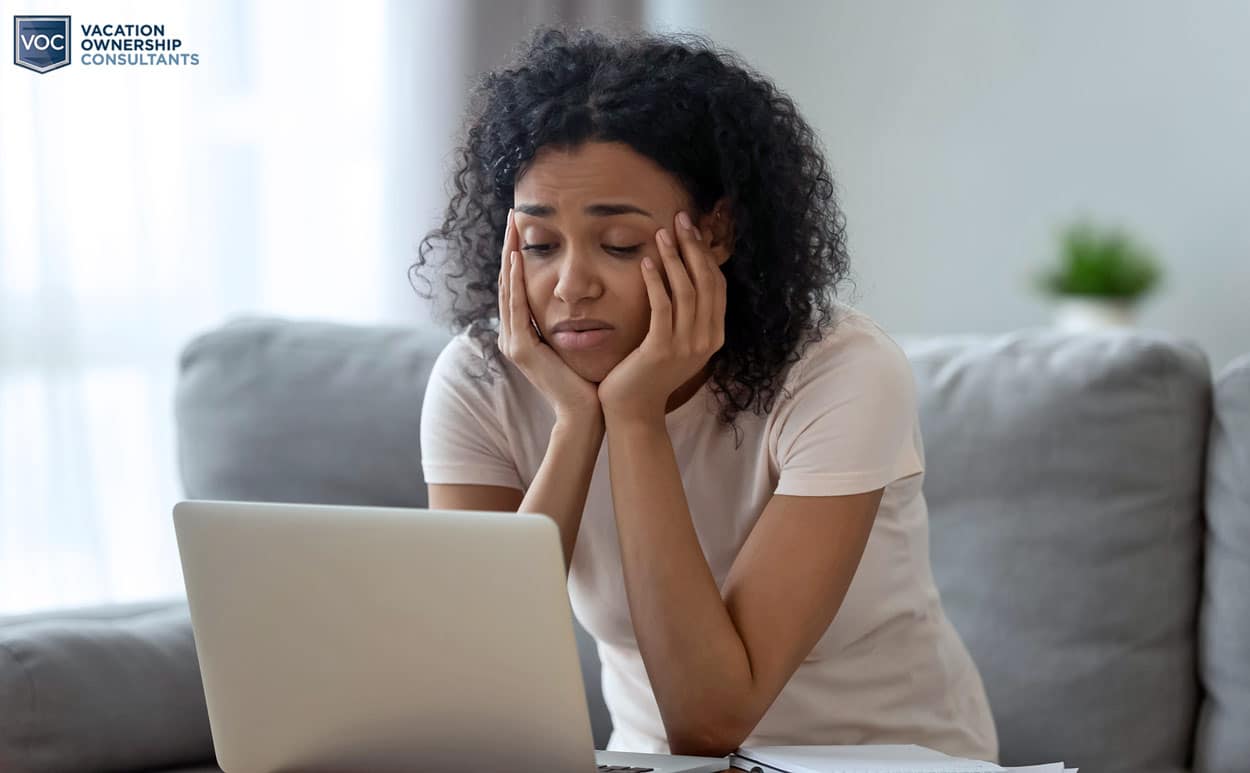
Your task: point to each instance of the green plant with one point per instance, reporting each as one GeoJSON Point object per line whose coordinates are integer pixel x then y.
{"type": "Point", "coordinates": [1100, 262]}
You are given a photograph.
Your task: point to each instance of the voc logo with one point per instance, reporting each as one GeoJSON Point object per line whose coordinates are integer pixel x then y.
{"type": "Point", "coordinates": [41, 43]}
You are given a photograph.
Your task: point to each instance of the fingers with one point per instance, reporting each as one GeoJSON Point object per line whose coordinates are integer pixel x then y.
{"type": "Point", "coordinates": [684, 299]}
{"type": "Point", "coordinates": [661, 308]}
{"type": "Point", "coordinates": [699, 260]}
{"type": "Point", "coordinates": [518, 305]}
{"type": "Point", "coordinates": [696, 260]}
{"type": "Point", "coordinates": [514, 313]}
{"type": "Point", "coordinates": [505, 326]}
{"type": "Point", "coordinates": [516, 323]}
{"type": "Point", "coordinates": [707, 323]}
{"type": "Point", "coordinates": [511, 239]}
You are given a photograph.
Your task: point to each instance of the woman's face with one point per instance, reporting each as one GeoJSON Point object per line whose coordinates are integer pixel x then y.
{"type": "Point", "coordinates": [586, 217]}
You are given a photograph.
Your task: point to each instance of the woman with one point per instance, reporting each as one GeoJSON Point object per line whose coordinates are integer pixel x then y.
{"type": "Point", "coordinates": [733, 458]}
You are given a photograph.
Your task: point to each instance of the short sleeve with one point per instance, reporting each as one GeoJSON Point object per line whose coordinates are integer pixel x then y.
{"type": "Point", "coordinates": [462, 436]}
{"type": "Point", "coordinates": [849, 424]}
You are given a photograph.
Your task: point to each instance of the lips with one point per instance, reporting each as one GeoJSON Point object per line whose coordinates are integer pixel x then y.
{"type": "Point", "coordinates": [580, 340]}
{"type": "Point", "coordinates": [579, 325]}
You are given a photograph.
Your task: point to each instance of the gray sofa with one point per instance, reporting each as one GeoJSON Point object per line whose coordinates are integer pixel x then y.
{"type": "Point", "coordinates": [1090, 523]}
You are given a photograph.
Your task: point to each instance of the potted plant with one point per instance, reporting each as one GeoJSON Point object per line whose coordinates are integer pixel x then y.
{"type": "Point", "coordinates": [1101, 276]}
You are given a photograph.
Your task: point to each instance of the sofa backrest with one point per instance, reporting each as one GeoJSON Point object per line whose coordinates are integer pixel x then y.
{"type": "Point", "coordinates": [1065, 478]}
{"type": "Point", "coordinates": [285, 411]}
{"type": "Point", "coordinates": [1064, 486]}
{"type": "Point", "coordinates": [1223, 743]}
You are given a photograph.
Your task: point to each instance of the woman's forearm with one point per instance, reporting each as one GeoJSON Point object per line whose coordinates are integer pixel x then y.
{"type": "Point", "coordinates": [559, 489]}
{"type": "Point", "coordinates": [698, 665]}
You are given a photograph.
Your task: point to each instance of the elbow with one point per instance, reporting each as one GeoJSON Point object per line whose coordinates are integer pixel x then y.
{"type": "Point", "coordinates": [716, 739]}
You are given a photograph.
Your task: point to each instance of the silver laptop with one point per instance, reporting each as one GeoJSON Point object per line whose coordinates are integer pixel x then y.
{"type": "Point", "coordinates": [387, 639]}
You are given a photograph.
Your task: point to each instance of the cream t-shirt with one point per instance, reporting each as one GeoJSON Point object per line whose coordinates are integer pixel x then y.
{"type": "Point", "coordinates": [890, 668]}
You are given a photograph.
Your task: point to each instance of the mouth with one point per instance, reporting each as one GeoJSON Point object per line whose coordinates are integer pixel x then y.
{"type": "Point", "coordinates": [579, 340]}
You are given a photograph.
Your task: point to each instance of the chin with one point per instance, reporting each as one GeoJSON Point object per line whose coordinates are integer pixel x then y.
{"type": "Point", "coordinates": [593, 375]}
{"type": "Point", "coordinates": [592, 368]}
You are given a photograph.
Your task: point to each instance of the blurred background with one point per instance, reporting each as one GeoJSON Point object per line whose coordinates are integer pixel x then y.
{"type": "Point", "coordinates": [294, 169]}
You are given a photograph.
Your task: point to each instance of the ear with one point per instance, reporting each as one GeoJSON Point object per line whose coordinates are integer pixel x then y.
{"type": "Point", "coordinates": [718, 231]}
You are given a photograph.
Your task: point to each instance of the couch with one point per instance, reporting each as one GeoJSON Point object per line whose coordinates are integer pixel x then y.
{"type": "Point", "coordinates": [1090, 533]}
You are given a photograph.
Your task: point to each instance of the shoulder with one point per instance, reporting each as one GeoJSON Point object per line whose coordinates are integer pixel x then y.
{"type": "Point", "coordinates": [854, 353]}
{"type": "Point", "coordinates": [461, 351]}
{"type": "Point", "coordinates": [847, 421]}
{"type": "Point", "coordinates": [476, 372]}
{"type": "Point", "coordinates": [465, 356]}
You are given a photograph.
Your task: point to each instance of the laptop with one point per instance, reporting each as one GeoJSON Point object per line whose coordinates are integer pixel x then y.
{"type": "Point", "coordinates": [386, 639]}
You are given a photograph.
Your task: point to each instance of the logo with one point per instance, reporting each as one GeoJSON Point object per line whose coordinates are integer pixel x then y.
{"type": "Point", "coordinates": [41, 43]}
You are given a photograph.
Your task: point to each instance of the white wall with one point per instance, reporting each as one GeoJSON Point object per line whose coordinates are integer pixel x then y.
{"type": "Point", "coordinates": [963, 134]}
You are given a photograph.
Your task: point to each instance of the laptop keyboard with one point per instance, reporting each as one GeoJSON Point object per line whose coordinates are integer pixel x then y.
{"type": "Point", "coordinates": [622, 769]}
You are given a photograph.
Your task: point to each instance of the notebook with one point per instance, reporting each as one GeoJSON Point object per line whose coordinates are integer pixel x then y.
{"type": "Point", "coordinates": [903, 758]}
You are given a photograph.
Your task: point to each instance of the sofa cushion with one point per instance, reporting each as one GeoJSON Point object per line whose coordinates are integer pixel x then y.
{"type": "Point", "coordinates": [283, 411]}
{"type": "Point", "coordinates": [1223, 743]}
{"type": "Point", "coordinates": [1064, 485]}
{"type": "Point", "coordinates": [106, 689]}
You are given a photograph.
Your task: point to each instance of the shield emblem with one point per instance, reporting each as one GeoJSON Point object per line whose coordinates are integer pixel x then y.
{"type": "Point", "coordinates": [41, 43]}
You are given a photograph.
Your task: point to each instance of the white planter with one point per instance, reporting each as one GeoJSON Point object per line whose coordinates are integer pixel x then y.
{"type": "Point", "coordinates": [1085, 315]}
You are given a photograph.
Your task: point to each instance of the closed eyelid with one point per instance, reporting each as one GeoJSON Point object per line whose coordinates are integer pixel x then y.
{"type": "Point", "coordinates": [600, 209]}
{"type": "Point", "coordinates": [547, 245]}
{"type": "Point", "coordinates": [545, 233]}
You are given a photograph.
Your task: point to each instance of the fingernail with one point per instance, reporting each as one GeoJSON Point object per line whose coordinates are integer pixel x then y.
{"type": "Point", "coordinates": [666, 237]}
{"type": "Point", "coordinates": [684, 221]}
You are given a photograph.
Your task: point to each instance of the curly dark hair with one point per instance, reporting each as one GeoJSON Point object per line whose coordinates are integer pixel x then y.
{"type": "Point", "coordinates": [721, 128]}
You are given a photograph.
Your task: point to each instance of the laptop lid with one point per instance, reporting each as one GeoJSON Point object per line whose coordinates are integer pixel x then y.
{"type": "Point", "coordinates": [346, 638]}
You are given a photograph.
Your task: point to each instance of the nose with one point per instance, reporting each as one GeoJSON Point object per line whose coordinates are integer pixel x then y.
{"type": "Point", "coordinates": [577, 278]}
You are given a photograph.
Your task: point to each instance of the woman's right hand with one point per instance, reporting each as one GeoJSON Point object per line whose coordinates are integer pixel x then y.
{"type": "Point", "coordinates": [572, 397]}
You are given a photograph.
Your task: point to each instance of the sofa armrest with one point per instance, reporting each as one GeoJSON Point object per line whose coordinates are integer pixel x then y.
{"type": "Point", "coordinates": [114, 688]}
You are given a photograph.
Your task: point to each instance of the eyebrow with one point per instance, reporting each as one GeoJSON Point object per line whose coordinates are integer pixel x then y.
{"type": "Point", "coordinates": [596, 210]}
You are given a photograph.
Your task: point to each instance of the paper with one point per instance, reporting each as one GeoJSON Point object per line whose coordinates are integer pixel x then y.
{"type": "Point", "coordinates": [901, 758]}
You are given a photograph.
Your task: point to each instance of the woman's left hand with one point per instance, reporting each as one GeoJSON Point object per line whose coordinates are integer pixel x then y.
{"type": "Point", "coordinates": [686, 329]}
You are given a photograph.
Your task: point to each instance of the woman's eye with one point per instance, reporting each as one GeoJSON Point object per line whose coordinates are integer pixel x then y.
{"type": "Point", "coordinates": [620, 250]}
